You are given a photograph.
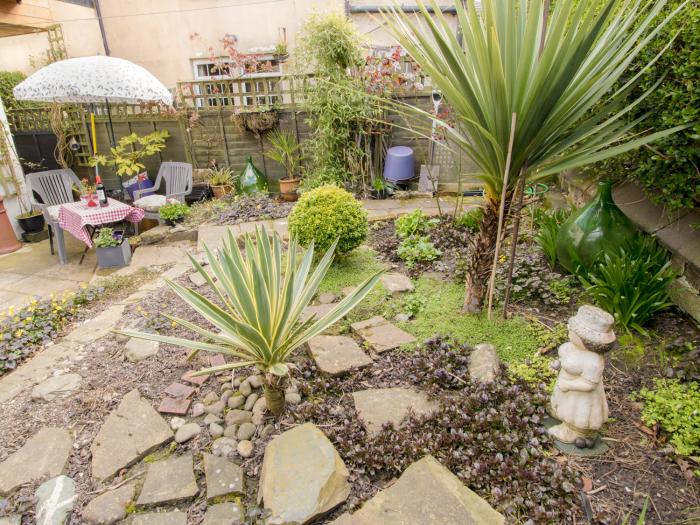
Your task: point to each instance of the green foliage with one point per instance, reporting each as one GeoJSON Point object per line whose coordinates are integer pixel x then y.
{"type": "Point", "coordinates": [284, 149]}
{"type": "Point", "coordinates": [220, 176]}
{"type": "Point", "coordinates": [416, 249]}
{"type": "Point", "coordinates": [126, 156]}
{"type": "Point", "coordinates": [549, 223]}
{"type": "Point", "coordinates": [631, 283]}
{"type": "Point", "coordinates": [262, 300]}
{"type": "Point", "coordinates": [8, 80]}
{"type": "Point", "coordinates": [327, 214]}
{"type": "Point", "coordinates": [415, 223]}
{"type": "Point", "coordinates": [105, 238]}
{"type": "Point", "coordinates": [470, 220]}
{"type": "Point", "coordinates": [668, 171]}
{"type": "Point", "coordinates": [173, 212]}
{"type": "Point", "coordinates": [549, 338]}
{"type": "Point", "coordinates": [351, 270]}
{"type": "Point", "coordinates": [536, 370]}
{"type": "Point", "coordinates": [674, 406]}
{"type": "Point", "coordinates": [329, 43]}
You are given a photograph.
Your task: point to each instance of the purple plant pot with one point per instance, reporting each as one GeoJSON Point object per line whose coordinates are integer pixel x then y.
{"type": "Point", "coordinates": [399, 165]}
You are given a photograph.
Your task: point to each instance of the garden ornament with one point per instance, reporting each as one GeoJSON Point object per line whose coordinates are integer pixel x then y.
{"type": "Point", "coordinates": [578, 400]}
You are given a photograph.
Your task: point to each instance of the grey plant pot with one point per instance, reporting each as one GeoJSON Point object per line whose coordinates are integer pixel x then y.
{"type": "Point", "coordinates": [114, 256]}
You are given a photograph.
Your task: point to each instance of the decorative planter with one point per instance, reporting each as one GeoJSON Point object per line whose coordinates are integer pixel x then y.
{"type": "Point", "coordinates": [594, 229]}
{"type": "Point", "coordinates": [288, 189]}
{"type": "Point", "coordinates": [114, 256]}
{"type": "Point", "coordinates": [33, 223]}
{"type": "Point", "coordinates": [220, 191]}
{"type": "Point", "coordinates": [8, 241]}
{"type": "Point", "coordinates": [251, 180]}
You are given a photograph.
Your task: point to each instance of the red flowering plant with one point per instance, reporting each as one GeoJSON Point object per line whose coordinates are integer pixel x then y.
{"type": "Point", "coordinates": [383, 73]}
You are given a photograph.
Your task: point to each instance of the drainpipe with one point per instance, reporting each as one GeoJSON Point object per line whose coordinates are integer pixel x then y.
{"type": "Point", "coordinates": [370, 9]}
{"type": "Point", "coordinates": [98, 12]}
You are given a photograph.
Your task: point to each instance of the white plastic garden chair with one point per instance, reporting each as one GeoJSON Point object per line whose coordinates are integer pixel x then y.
{"type": "Point", "coordinates": [177, 177]}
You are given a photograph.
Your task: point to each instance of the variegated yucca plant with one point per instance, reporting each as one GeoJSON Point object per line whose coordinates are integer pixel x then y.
{"type": "Point", "coordinates": [258, 312]}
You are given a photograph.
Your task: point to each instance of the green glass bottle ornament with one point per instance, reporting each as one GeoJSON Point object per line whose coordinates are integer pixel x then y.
{"type": "Point", "coordinates": [251, 179]}
{"type": "Point", "coordinates": [596, 228]}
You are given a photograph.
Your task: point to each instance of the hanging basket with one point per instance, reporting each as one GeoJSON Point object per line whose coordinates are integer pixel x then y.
{"type": "Point", "coordinates": [257, 122]}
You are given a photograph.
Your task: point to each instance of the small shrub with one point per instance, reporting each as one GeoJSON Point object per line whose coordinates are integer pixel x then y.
{"type": "Point", "coordinates": [470, 220]}
{"type": "Point", "coordinates": [546, 237]}
{"type": "Point", "coordinates": [536, 371]}
{"type": "Point", "coordinates": [105, 238]}
{"type": "Point", "coordinates": [631, 283]}
{"type": "Point", "coordinates": [415, 223]}
{"type": "Point", "coordinates": [675, 407]}
{"type": "Point", "coordinates": [417, 249]}
{"type": "Point", "coordinates": [326, 214]}
{"type": "Point", "coordinates": [174, 212]}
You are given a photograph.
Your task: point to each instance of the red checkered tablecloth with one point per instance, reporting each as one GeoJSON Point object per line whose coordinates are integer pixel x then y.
{"type": "Point", "coordinates": [75, 216]}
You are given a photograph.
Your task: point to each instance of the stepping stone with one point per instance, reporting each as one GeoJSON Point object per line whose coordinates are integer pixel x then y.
{"type": "Point", "coordinates": [318, 310]}
{"type": "Point", "coordinates": [217, 360]}
{"type": "Point", "coordinates": [197, 279]}
{"type": "Point", "coordinates": [130, 432]}
{"type": "Point", "coordinates": [376, 407]}
{"type": "Point", "coordinates": [179, 390]}
{"type": "Point", "coordinates": [195, 380]}
{"type": "Point", "coordinates": [327, 298]}
{"type": "Point", "coordinates": [11, 520]}
{"type": "Point", "coordinates": [137, 350]}
{"type": "Point", "coordinates": [168, 481]}
{"type": "Point", "coordinates": [381, 335]}
{"type": "Point", "coordinates": [223, 514]}
{"type": "Point", "coordinates": [223, 477]}
{"type": "Point", "coordinates": [54, 501]}
{"type": "Point", "coordinates": [396, 283]}
{"type": "Point", "coordinates": [484, 363]}
{"type": "Point", "coordinates": [336, 355]}
{"type": "Point", "coordinates": [56, 386]}
{"type": "Point", "coordinates": [44, 455]}
{"type": "Point", "coordinates": [425, 493]}
{"type": "Point", "coordinates": [302, 476]}
{"type": "Point", "coordinates": [110, 507]}
{"type": "Point", "coordinates": [177, 407]}
{"type": "Point", "coordinates": [160, 518]}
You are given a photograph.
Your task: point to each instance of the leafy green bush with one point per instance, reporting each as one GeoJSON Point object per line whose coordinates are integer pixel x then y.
{"type": "Point", "coordinates": [546, 236]}
{"type": "Point", "coordinates": [328, 213]}
{"type": "Point", "coordinates": [174, 211]}
{"type": "Point", "coordinates": [417, 248]}
{"type": "Point", "coordinates": [8, 80]}
{"type": "Point", "coordinates": [631, 283]}
{"type": "Point", "coordinates": [414, 223]}
{"type": "Point", "coordinates": [470, 220]}
{"type": "Point", "coordinates": [675, 407]}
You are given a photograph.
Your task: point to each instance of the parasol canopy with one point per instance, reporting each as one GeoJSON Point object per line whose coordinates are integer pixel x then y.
{"type": "Point", "coordinates": [93, 79]}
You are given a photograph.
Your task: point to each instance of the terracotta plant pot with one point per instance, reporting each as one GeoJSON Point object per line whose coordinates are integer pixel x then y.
{"type": "Point", "coordinates": [288, 189]}
{"type": "Point", "coordinates": [220, 191]}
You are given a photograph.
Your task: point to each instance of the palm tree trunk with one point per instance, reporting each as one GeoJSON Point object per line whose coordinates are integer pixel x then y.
{"type": "Point", "coordinates": [482, 257]}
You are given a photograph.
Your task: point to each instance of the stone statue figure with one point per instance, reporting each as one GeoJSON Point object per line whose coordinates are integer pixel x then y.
{"type": "Point", "coordinates": [578, 400]}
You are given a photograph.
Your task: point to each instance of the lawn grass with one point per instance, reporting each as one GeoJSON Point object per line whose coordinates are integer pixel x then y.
{"type": "Point", "coordinates": [350, 270]}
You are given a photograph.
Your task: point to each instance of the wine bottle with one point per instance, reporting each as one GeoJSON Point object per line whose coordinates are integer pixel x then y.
{"type": "Point", "coordinates": [100, 190]}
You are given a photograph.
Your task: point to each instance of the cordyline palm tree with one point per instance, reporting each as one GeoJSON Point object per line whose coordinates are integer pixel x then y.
{"type": "Point", "coordinates": [561, 80]}
{"type": "Point", "coordinates": [259, 312]}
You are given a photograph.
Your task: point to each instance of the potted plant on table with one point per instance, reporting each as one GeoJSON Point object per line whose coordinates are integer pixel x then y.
{"type": "Point", "coordinates": [113, 250]}
{"type": "Point", "coordinates": [173, 213]}
{"type": "Point", "coordinates": [221, 180]}
{"type": "Point", "coordinates": [285, 150]}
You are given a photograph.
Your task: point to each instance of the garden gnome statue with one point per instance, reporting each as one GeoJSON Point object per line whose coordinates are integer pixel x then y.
{"type": "Point", "coordinates": [578, 400]}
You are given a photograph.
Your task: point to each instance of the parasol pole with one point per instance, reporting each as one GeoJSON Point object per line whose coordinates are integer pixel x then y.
{"type": "Point", "coordinates": [113, 143]}
{"type": "Point", "coordinates": [93, 136]}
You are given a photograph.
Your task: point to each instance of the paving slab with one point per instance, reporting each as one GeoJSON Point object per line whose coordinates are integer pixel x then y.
{"type": "Point", "coordinates": [129, 433]}
{"type": "Point", "coordinates": [396, 283]}
{"type": "Point", "coordinates": [45, 454]}
{"type": "Point", "coordinates": [175, 517]}
{"type": "Point", "coordinates": [379, 406]}
{"type": "Point", "coordinates": [110, 507]}
{"type": "Point", "coordinates": [223, 514]}
{"type": "Point", "coordinates": [318, 310]}
{"type": "Point", "coordinates": [176, 407]}
{"type": "Point", "coordinates": [97, 327]}
{"type": "Point", "coordinates": [223, 477]}
{"type": "Point", "coordinates": [336, 355]}
{"type": "Point", "coordinates": [56, 386]}
{"type": "Point", "coordinates": [137, 350]}
{"type": "Point", "coordinates": [168, 481]}
{"type": "Point", "coordinates": [54, 501]}
{"type": "Point", "coordinates": [302, 476]}
{"type": "Point", "coordinates": [381, 335]}
{"type": "Point", "coordinates": [425, 493]}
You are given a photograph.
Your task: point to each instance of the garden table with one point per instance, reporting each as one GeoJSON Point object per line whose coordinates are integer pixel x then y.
{"type": "Point", "coordinates": [81, 221]}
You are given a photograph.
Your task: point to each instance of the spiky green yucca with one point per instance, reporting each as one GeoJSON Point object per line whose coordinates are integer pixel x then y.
{"type": "Point", "coordinates": [258, 314]}
{"type": "Point", "coordinates": [564, 76]}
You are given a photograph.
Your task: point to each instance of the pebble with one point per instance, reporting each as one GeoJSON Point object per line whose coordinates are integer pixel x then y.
{"type": "Point", "coordinates": [226, 394]}
{"type": "Point", "coordinates": [197, 409]}
{"type": "Point", "coordinates": [245, 449]}
{"type": "Point", "coordinates": [224, 447]}
{"type": "Point", "coordinates": [231, 431]}
{"type": "Point", "coordinates": [236, 382]}
{"type": "Point", "coordinates": [258, 418]}
{"type": "Point", "coordinates": [187, 432]}
{"type": "Point", "coordinates": [246, 431]}
{"type": "Point", "coordinates": [402, 318]}
{"type": "Point", "coordinates": [260, 406]}
{"type": "Point", "coordinates": [210, 398]}
{"type": "Point", "coordinates": [245, 389]}
{"type": "Point", "coordinates": [215, 408]}
{"type": "Point", "coordinates": [236, 401]}
{"type": "Point", "coordinates": [236, 417]}
{"type": "Point", "coordinates": [255, 381]}
{"type": "Point", "coordinates": [216, 430]}
{"type": "Point", "coordinates": [250, 402]}
{"type": "Point", "coordinates": [211, 418]}
{"type": "Point", "coordinates": [291, 389]}
{"type": "Point", "coordinates": [266, 431]}
{"type": "Point", "coordinates": [326, 298]}
{"type": "Point", "coordinates": [177, 422]}
{"type": "Point", "coordinates": [292, 398]}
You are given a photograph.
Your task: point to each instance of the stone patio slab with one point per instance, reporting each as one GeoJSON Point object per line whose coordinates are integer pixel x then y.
{"type": "Point", "coordinates": [223, 477]}
{"type": "Point", "coordinates": [175, 517]}
{"type": "Point", "coordinates": [396, 283]}
{"type": "Point", "coordinates": [110, 507]}
{"type": "Point", "coordinates": [319, 310]}
{"type": "Point", "coordinates": [56, 386]}
{"type": "Point", "coordinates": [45, 454]}
{"type": "Point", "coordinates": [168, 481]}
{"type": "Point", "coordinates": [379, 406]}
{"type": "Point", "coordinates": [133, 430]}
{"type": "Point", "coordinates": [223, 514]}
{"type": "Point", "coordinates": [381, 335]}
{"type": "Point", "coordinates": [336, 355]}
{"type": "Point", "coordinates": [55, 501]}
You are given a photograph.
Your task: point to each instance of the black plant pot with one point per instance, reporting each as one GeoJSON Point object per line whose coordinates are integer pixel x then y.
{"type": "Point", "coordinates": [33, 224]}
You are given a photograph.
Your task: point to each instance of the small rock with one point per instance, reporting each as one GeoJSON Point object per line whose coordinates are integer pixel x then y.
{"type": "Point", "coordinates": [55, 501]}
{"type": "Point", "coordinates": [255, 381]}
{"type": "Point", "coordinates": [258, 418]}
{"type": "Point", "coordinates": [402, 318]}
{"type": "Point", "coordinates": [110, 507]}
{"type": "Point", "coordinates": [177, 422]}
{"type": "Point", "coordinates": [236, 401]}
{"type": "Point", "coordinates": [326, 298]}
{"type": "Point", "coordinates": [210, 398]}
{"type": "Point", "coordinates": [211, 418]}
{"type": "Point", "coordinates": [266, 431]}
{"type": "Point", "coordinates": [292, 399]}
{"type": "Point", "coordinates": [231, 431]}
{"type": "Point", "coordinates": [484, 363]}
{"type": "Point", "coordinates": [292, 389]}
{"type": "Point", "coordinates": [215, 408]}
{"type": "Point", "coordinates": [245, 449]}
{"type": "Point", "coordinates": [250, 402]}
{"type": "Point", "coordinates": [260, 406]}
{"type": "Point", "coordinates": [137, 349]}
{"type": "Point", "coordinates": [245, 389]}
{"type": "Point", "coordinates": [187, 432]}
{"type": "Point", "coordinates": [216, 430]}
{"type": "Point", "coordinates": [236, 417]}
{"type": "Point", "coordinates": [396, 283]}
{"type": "Point", "coordinates": [56, 386]}
{"type": "Point", "coordinates": [246, 431]}
{"type": "Point", "coordinates": [197, 409]}
{"type": "Point", "coordinates": [226, 394]}
{"type": "Point", "coordinates": [224, 447]}
{"type": "Point", "coordinates": [236, 382]}
{"type": "Point", "coordinates": [197, 279]}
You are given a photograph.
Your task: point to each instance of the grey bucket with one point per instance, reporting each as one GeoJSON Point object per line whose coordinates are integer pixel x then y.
{"type": "Point", "coordinates": [114, 256]}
